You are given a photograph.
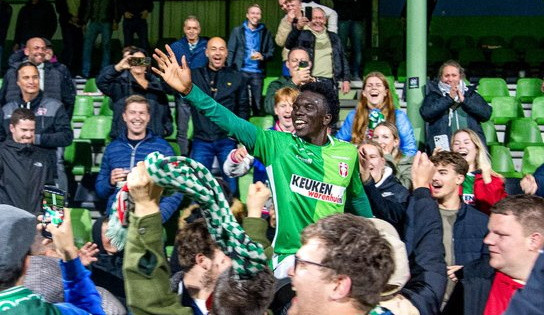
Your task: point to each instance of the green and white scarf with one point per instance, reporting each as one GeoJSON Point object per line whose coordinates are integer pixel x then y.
{"type": "Point", "coordinates": [196, 181]}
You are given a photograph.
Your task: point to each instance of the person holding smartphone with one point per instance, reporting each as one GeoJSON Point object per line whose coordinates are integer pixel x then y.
{"type": "Point", "coordinates": [451, 105]}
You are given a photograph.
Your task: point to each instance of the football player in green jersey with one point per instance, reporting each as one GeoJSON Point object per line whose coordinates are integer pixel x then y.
{"type": "Point", "coordinates": [311, 173]}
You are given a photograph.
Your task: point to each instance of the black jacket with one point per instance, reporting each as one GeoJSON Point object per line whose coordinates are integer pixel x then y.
{"type": "Point", "coordinates": [57, 84]}
{"type": "Point", "coordinates": [23, 172]}
{"type": "Point", "coordinates": [306, 39]}
{"type": "Point", "coordinates": [237, 46]}
{"type": "Point", "coordinates": [435, 112]}
{"type": "Point", "coordinates": [231, 93]}
{"type": "Point", "coordinates": [120, 85]}
{"type": "Point", "coordinates": [53, 127]}
{"type": "Point", "coordinates": [35, 20]}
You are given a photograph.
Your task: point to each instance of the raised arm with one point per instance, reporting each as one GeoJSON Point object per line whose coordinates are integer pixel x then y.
{"type": "Point", "coordinates": [179, 79]}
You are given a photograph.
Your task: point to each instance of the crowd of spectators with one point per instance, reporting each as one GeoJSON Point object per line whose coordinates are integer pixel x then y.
{"type": "Point", "coordinates": [354, 221]}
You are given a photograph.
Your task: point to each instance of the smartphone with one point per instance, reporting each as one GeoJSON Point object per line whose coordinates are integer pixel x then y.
{"type": "Point", "coordinates": [442, 142]}
{"type": "Point", "coordinates": [139, 61]}
{"type": "Point", "coordinates": [53, 203]}
{"type": "Point", "coordinates": [308, 13]}
{"type": "Point", "coordinates": [303, 64]}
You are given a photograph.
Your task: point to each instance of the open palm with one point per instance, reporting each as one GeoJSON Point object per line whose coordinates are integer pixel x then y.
{"type": "Point", "coordinates": [179, 78]}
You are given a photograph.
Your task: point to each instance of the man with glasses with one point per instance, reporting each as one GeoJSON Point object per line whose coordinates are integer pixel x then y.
{"type": "Point", "coordinates": [341, 268]}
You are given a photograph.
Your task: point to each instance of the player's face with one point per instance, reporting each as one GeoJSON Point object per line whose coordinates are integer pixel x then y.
{"type": "Point", "coordinates": [310, 115]}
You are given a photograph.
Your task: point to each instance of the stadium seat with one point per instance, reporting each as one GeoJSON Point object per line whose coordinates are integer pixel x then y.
{"type": "Point", "coordinates": [263, 122]}
{"type": "Point", "coordinates": [456, 43]}
{"type": "Point", "coordinates": [174, 135]}
{"type": "Point", "coordinates": [435, 41]}
{"type": "Point", "coordinates": [470, 55]}
{"type": "Point", "coordinates": [106, 107]}
{"type": "Point", "coordinates": [491, 87]}
{"type": "Point", "coordinates": [266, 83]}
{"type": "Point", "coordinates": [175, 147]}
{"type": "Point", "coordinates": [170, 98]}
{"type": "Point", "coordinates": [375, 65]}
{"type": "Point", "coordinates": [533, 157]}
{"type": "Point", "coordinates": [96, 129]}
{"type": "Point", "coordinates": [505, 108]}
{"type": "Point", "coordinates": [527, 89]}
{"type": "Point", "coordinates": [502, 56]}
{"type": "Point", "coordinates": [1, 82]}
{"type": "Point", "coordinates": [490, 133]}
{"type": "Point", "coordinates": [401, 72]}
{"type": "Point", "coordinates": [82, 226]}
{"type": "Point", "coordinates": [537, 110]}
{"type": "Point", "coordinates": [534, 57]}
{"type": "Point", "coordinates": [502, 163]}
{"type": "Point", "coordinates": [522, 132]}
{"type": "Point", "coordinates": [190, 129]}
{"type": "Point", "coordinates": [83, 108]}
{"type": "Point", "coordinates": [391, 81]}
{"type": "Point", "coordinates": [90, 86]}
{"type": "Point", "coordinates": [437, 54]}
{"type": "Point", "coordinates": [78, 157]}
{"type": "Point", "coordinates": [351, 95]}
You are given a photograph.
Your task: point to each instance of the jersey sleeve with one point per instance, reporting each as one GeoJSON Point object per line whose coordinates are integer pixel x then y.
{"type": "Point", "coordinates": [242, 130]}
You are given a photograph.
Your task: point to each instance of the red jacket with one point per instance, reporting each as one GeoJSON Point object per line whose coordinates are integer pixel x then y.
{"type": "Point", "coordinates": [486, 195]}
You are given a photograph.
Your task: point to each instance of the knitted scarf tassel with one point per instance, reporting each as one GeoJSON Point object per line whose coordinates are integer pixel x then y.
{"type": "Point", "coordinates": [196, 181]}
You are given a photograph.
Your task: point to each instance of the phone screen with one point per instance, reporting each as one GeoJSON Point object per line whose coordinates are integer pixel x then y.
{"type": "Point", "coordinates": [308, 13]}
{"type": "Point", "coordinates": [53, 207]}
{"type": "Point", "coordinates": [139, 61]}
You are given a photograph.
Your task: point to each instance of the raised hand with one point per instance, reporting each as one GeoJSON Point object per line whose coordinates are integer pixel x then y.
{"type": "Point", "coordinates": [178, 77]}
{"type": "Point", "coordinates": [422, 171]}
{"type": "Point", "coordinates": [145, 193]}
{"type": "Point", "coordinates": [257, 196]}
{"type": "Point", "coordinates": [364, 166]}
{"type": "Point", "coordinates": [87, 253]}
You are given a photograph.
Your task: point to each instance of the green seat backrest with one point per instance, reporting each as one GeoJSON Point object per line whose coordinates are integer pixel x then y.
{"type": "Point", "coordinates": [106, 106]}
{"type": "Point", "coordinates": [1, 82]}
{"type": "Point", "coordinates": [523, 132]}
{"type": "Point", "coordinates": [267, 82]}
{"type": "Point", "coordinates": [501, 161]}
{"type": "Point", "coordinates": [82, 226]}
{"type": "Point", "coordinates": [490, 133]}
{"type": "Point", "coordinates": [527, 89]}
{"type": "Point", "coordinates": [522, 43]}
{"type": "Point", "coordinates": [263, 122]}
{"type": "Point", "coordinates": [391, 82]}
{"type": "Point", "coordinates": [534, 57]}
{"type": "Point", "coordinates": [190, 129]}
{"type": "Point", "coordinates": [537, 110]}
{"type": "Point", "coordinates": [83, 107]}
{"type": "Point", "coordinates": [505, 108]}
{"type": "Point", "coordinates": [436, 54]}
{"type": "Point", "coordinates": [377, 65]}
{"type": "Point", "coordinates": [503, 55]}
{"type": "Point", "coordinates": [343, 114]}
{"type": "Point", "coordinates": [78, 157]}
{"type": "Point", "coordinates": [468, 55]}
{"type": "Point", "coordinates": [533, 157]}
{"type": "Point", "coordinates": [96, 128]}
{"type": "Point", "coordinates": [401, 72]}
{"type": "Point", "coordinates": [491, 87]}
{"type": "Point", "coordinates": [175, 147]}
{"type": "Point", "coordinates": [458, 42]}
{"type": "Point", "coordinates": [90, 86]}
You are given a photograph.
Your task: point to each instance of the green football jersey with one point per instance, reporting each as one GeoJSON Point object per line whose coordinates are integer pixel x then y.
{"type": "Point", "coordinates": [308, 182]}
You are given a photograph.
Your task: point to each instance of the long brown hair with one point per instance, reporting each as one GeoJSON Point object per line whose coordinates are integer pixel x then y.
{"type": "Point", "coordinates": [360, 122]}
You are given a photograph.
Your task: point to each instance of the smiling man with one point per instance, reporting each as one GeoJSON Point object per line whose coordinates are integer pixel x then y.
{"type": "Point", "coordinates": [464, 226]}
{"type": "Point", "coordinates": [122, 154]}
{"type": "Point", "coordinates": [311, 174]}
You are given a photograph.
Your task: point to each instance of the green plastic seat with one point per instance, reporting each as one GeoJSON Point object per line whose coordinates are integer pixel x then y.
{"type": "Point", "coordinates": [458, 42]}
{"type": "Point", "coordinates": [527, 89]}
{"type": "Point", "coordinates": [490, 133]}
{"type": "Point", "coordinates": [78, 157]}
{"type": "Point", "coordinates": [534, 57]}
{"type": "Point", "coordinates": [470, 55]}
{"type": "Point", "coordinates": [190, 129]}
{"type": "Point", "coordinates": [505, 108]}
{"type": "Point", "coordinates": [263, 122]}
{"type": "Point", "coordinates": [170, 98]}
{"type": "Point", "coordinates": [266, 83]}
{"type": "Point", "coordinates": [175, 147]}
{"type": "Point", "coordinates": [401, 72]}
{"type": "Point", "coordinates": [83, 108]}
{"type": "Point", "coordinates": [537, 110]}
{"type": "Point", "coordinates": [522, 43]}
{"type": "Point", "coordinates": [96, 128]}
{"type": "Point", "coordinates": [435, 41]}
{"type": "Point", "coordinates": [503, 55]}
{"type": "Point", "coordinates": [502, 163]}
{"type": "Point", "coordinates": [521, 133]}
{"type": "Point", "coordinates": [90, 86]}
{"type": "Point", "coordinates": [436, 54]}
{"type": "Point", "coordinates": [106, 106]}
{"type": "Point", "coordinates": [173, 136]}
{"type": "Point", "coordinates": [82, 226]}
{"type": "Point", "coordinates": [344, 112]}
{"type": "Point", "coordinates": [391, 82]}
{"type": "Point", "coordinates": [533, 157]}
{"type": "Point", "coordinates": [376, 65]}
{"type": "Point", "coordinates": [351, 95]}
{"type": "Point", "coordinates": [1, 82]}
{"type": "Point", "coordinates": [489, 88]}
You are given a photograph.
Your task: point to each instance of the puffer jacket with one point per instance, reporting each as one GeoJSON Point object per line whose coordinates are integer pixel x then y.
{"type": "Point", "coordinates": [407, 144]}
{"type": "Point", "coordinates": [435, 110]}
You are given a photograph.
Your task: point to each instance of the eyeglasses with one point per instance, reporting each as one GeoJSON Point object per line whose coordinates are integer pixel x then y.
{"type": "Point", "coordinates": [298, 260]}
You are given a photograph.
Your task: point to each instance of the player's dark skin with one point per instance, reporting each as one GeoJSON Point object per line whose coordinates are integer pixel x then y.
{"type": "Point", "coordinates": [310, 117]}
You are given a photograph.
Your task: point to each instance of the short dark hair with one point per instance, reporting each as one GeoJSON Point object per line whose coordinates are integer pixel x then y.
{"type": "Point", "coordinates": [354, 248]}
{"type": "Point", "coordinates": [133, 49]}
{"type": "Point", "coordinates": [297, 48]}
{"type": "Point", "coordinates": [191, 240]}
{"type": "Point", "coordinates": [136, 98]}
{"type": "Point", "coordinates": [10, 275]}
{"type": "Point", "coordinates": [22, 65]}
{"type": "Point", "coordinates": [252, 296]}
{"type": "Point", "coordinates": [451, 63]}
{"type": "Point", "coordinates": [21, 114]}
{"type": "Point", "coordinates": [460, 165]}
{"type": "Point", "coordinates": [330, 97]}
{"type": "Point", "coordinates": [527, 209]}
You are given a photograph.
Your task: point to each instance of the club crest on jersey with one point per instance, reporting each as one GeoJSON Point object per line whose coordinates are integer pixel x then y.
{"type": "Point", "coordinates": [343, 169]}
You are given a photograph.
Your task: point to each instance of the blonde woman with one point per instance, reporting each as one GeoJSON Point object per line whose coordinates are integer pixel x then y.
{"type": "Point", "coordinates": [482, 187]}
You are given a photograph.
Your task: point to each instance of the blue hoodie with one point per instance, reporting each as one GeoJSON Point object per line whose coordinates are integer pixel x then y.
{"type": "Point", "coordinates": [253, 43]}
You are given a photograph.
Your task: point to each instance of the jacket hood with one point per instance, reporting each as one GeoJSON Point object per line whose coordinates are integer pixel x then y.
{"type": "Point", "coordinates": [259, 28]}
